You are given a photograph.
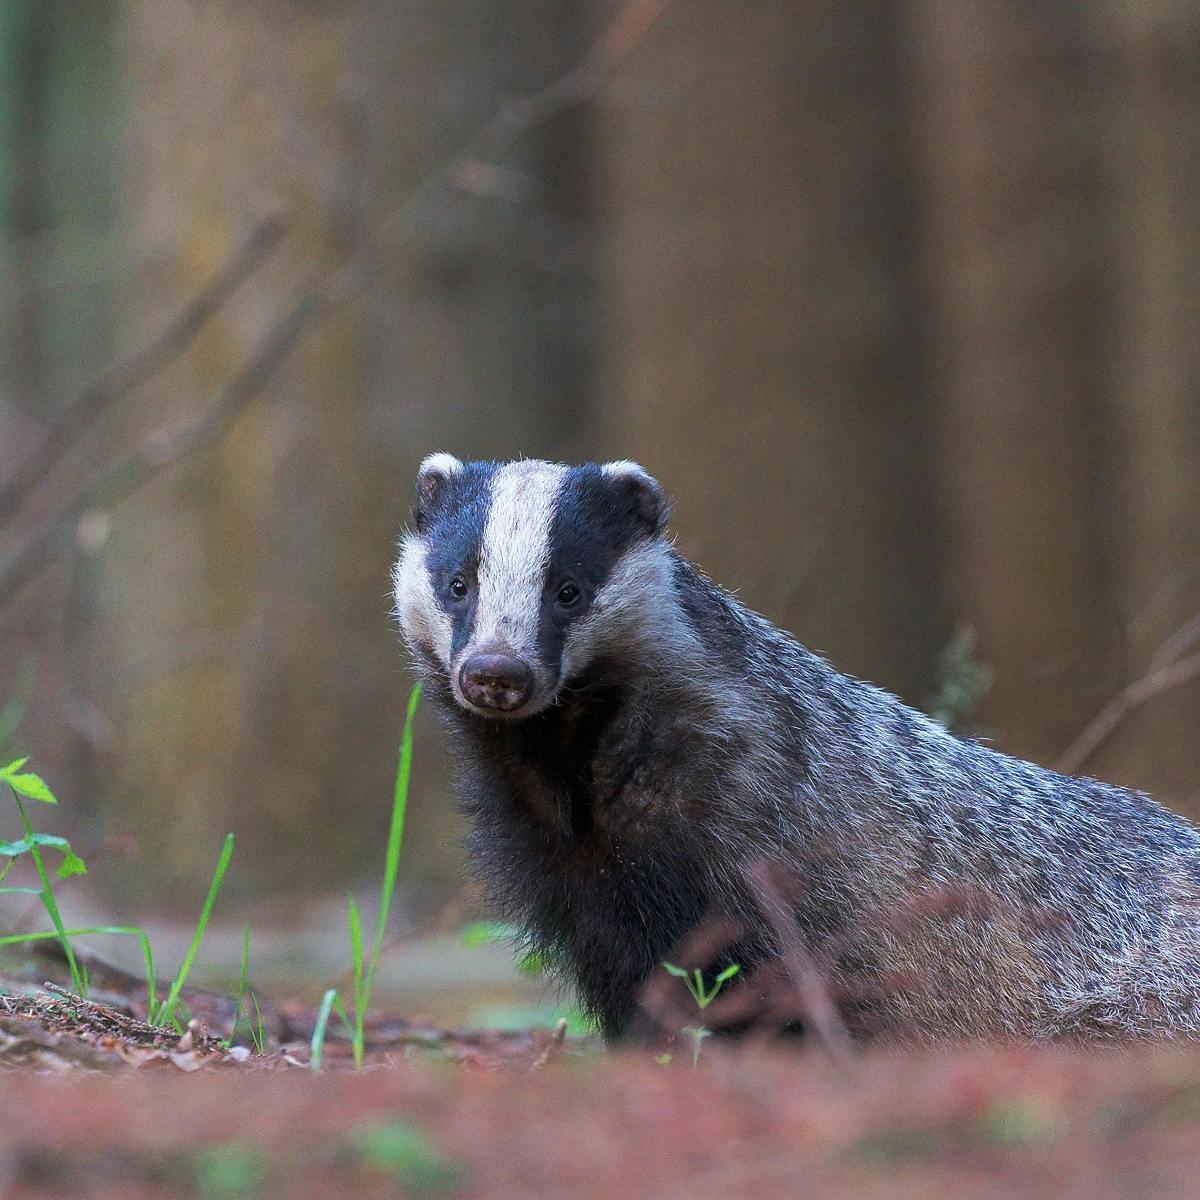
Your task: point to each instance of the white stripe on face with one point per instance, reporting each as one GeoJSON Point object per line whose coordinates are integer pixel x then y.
{"type": "Point", "coordinates": [422, 620]}
{"type": "Point", "coordinates": [513, 557]}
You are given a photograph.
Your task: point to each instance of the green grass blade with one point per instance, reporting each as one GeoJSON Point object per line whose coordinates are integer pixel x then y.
{"type": "Point", "coordinates": [396, 831]}
{"type": "Point", "coordinates": [258, 1034]}
{"type": "Point", "coordinates": [343, 1016]}
{"type": "Point", "coordinates": [240, 994]}
{"type": "Point", "coordinates": [317, 1046]}
{"type": "Point", "coordinates": [49, 903]}
{"type": "Point", "coordinates": [360, 997]}
{"type": "Point", "coordinates": [167, 1014]}
{"type": "Point", "coordinates": [16, 939]}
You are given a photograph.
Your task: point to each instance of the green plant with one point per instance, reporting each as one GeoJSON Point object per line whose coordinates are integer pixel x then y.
{"type": "Point", "coordinates": [702, 995]}
{"type": "Point", "coordinates": [27, 786]}
{"type": "Point", "coordinates": [231, 1168]}
{"type": "Point", "coordinates": [365, 965]}
{"type": "Point", "coordinates": [402, 1152]}
{"type": "Point", "coordinates": [962, 683]}
{"type": "Point", "coordinates": [317, 1045]}
{"type": "Point", "coordinates": [241, 1008]}
{"type": "Point", "coordinates": [167, 1012]}
{"type": "Point", "coordinates": [694, 982]}
{"type": "Point", "coordinates": [18, 939]}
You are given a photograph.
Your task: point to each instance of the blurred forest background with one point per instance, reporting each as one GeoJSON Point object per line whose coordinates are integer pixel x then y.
{"type": "Point", "coordinates": [899, 299]}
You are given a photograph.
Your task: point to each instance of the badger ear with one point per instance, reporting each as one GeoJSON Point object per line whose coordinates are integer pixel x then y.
{"type": "Point", "coordinates": [431, 477]}
{"type": "Point", "coordinates": [649, 500]}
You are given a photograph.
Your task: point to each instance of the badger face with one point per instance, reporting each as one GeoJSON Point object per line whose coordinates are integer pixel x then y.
{"type": "Point", "coordinates": [520, 575]}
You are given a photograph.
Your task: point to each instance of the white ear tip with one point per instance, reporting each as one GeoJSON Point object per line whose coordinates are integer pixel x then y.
{"type": "Point", "coordinates": [625, 468]}
{"type": "Point", "coordinates": [440, 464]}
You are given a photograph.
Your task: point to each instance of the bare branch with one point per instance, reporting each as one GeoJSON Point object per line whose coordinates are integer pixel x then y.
{"type": "Point", "coordinates": [139, 365]}
{"type": "Point", "coordinates": [1160, 677]}
{"type": "Point", "coordinates": [473, 169]}
{"type": "Point", "coordinates": [818, 1010]}
{"type": "Point", "coordinates": [163, 448]}
{"type": "Point", "coordinates": [511, 122]}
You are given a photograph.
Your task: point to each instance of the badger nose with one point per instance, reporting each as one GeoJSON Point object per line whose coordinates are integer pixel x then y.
{"type": "Point", "coordinates": [499, 681]}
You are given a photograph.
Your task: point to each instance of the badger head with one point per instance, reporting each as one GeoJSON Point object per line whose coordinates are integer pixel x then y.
{"type": "Point", "coordinates": [519, 576]}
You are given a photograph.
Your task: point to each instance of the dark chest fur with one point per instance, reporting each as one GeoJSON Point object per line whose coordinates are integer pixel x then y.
{"type": "Point", "coordinates": [580, 839]}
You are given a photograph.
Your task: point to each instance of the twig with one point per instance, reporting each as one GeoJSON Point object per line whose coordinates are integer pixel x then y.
{"type": "Point", "coordinates": [103, 1015]}
{"type": "Point", "coordinates": [519, 116]}
{"type": "Point", "coordinates": [818, 1010]}
{"type": "Point", "coordinates": [473, 168]}
{"type": "Point", "coordinates": [512, 121]}
{"type": "Point", "coordinates": [554, 1048]}
{"type": "Point", "coordinates": [1158, 679]}
{"type": "Point", "coordinates": [139, 365]}
{"type": "Point", "coordinates": [163, 448]}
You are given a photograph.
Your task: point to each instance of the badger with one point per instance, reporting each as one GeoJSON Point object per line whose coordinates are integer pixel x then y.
{"type": "Point", "coordinates": [631, 740]}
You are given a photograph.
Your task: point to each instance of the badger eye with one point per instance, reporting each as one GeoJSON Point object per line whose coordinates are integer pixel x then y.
{"type": "Point", "coordinates": [458, 587]}
{"type": "Point", "coordinates": [568, 595]}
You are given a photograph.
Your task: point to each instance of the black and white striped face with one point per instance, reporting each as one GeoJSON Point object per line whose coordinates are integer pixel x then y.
{"type": "Point", "coordinates": [520, 575]}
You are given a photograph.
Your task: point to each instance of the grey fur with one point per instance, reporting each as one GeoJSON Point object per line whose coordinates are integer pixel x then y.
{"type": "Point", "coordinates": [691, 737]}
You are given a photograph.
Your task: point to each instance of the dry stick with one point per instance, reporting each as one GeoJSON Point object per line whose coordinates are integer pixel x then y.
{"type": "Point", "coordinates": [139, 365]}
{"type": "Point", "coordinates": [472, 168]}
{"type": "Point", "coordinates": [819, 1011]}
{"type": "Point", "coordinates": [165, 447]}
{"type": "Point", "coordinates": [553, 1047]}
{"type": "Point", "coordinates": [1157, 680]}
{"type": "Point", "coordinates": [106, 1015]}
{"type": "Point", "coordinates": [517, 117]}
{"type": "Point", "coordinates": [511, 122]}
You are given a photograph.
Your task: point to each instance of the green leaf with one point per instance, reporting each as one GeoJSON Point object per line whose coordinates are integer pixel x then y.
{"type": "Point", "coordinates": [729, 972]}
{"type": "Point", "coordinates": [33, 786]}
{"type": "Point", "coordinates": [72, 864]}
{"type": "Point", "coordinates": [12, 849]}
{"type": "Point", "coordinates": [672, 969]}
{"type": "Point", "coordinates": [483, 933]}
{"type": "Point", "coordinates": [13, 767]}
{"type": "Point", "coordinates": [20, 891]}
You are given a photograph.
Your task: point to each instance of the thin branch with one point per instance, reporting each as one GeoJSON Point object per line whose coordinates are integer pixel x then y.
{"type": "Point", "coordinates": [554, 1047]}
{"type": "Point", "coordinates": [1158, 679]}
{"type": "Point", "coordinates": [139, 365]}
{"type": "Point", "coordinates": [474, 169]}
{"type": "Point", "coordinates": [818, 1010]}
{"type": "Point", "coordinates": [511, 122]}
{"type": "Point", "coordinates": [164, 447]}
{"type": "Point", "coordinates": [519, 116]}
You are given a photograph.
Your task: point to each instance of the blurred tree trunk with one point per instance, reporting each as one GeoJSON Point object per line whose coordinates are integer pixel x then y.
{"type": "Point", "coordinates": [767, 341]}
{"type": "Point", "coordinates": [1154, 163]}
{"type": "Point", "coordinates": [1010, 146]}
{"type": "Point", "coordinates": [257, 683]}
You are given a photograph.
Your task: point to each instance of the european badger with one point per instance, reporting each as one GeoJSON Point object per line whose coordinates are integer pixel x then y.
{"type": "Point", "coordinates": [631, 738]}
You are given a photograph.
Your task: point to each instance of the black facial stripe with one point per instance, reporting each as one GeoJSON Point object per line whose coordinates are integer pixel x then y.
{"type": "Point", "coordinates": [594, 523]}
{"type": "Point", "coordinates": [454, 536]}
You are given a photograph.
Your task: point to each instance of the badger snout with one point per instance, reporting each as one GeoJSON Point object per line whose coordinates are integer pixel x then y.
{"type": "Point", "coordinates": [499, 682]}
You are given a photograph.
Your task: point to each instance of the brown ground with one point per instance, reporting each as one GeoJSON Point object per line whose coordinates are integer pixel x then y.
{"type": "Point", "coordinates": [93, 1103]}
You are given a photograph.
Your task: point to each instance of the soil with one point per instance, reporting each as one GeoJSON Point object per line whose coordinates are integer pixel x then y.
{"type": "Point", "coordinates": [96, 1102]}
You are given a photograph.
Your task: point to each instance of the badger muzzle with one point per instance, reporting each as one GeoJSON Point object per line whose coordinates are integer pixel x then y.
{"type": "Point", "coordinates": [496, 683]}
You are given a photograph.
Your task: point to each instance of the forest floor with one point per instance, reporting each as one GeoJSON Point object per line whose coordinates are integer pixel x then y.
{"type": "Point", "coordinates": [96, 1103]}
